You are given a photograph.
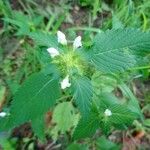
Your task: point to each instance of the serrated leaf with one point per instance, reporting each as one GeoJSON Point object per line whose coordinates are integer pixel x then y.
{"type": "Point", "coordinates": [35, 97]}
{"type": "Point", "coordinates": [133, 104]}
{"type": "Point", "coordinates": [38, 126]}
{"type": "Point", "coordinates": [104, 100]}
{"type": "Point", "coordinates": [103, 83]}
{"type": "Point", "coordinates": [105, 125]}
{"type": "Point", "coordinates": [121, 115]}
{"type": "Point", "coordinates": [44, 39]}
{"type": "Point", "coordinates": [64, 116]}
{"type": "Point", "coordinates": [82, 93]}
{"type": "Point", "coordinates": [104, 144]}
{"type": "Point", "coordinates": [86, 126]}
{"type": "Point", "coordinates": [113, 50]}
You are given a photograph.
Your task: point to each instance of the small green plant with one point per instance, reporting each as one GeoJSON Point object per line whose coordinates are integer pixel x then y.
{"type": "Point", "coordinates": [72, 83]}
{"type": "Point", "coordinates": [95, 4]}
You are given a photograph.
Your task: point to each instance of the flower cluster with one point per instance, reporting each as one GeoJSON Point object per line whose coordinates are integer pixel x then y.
{"type": "Point", "coordinates": [54, 52]}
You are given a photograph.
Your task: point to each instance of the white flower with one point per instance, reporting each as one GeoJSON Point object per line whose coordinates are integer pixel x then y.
{"type": "Point", "coordinates": [77, 42]}
{"type": "Point", "coordinates": [108, 112]}
{"type": "Point", "coordinates": [61, 38]}
{"type": "Point", "coordinates": [53, 52]}
{"type": "Point", "coordinates": [2, 114]}
{"type": "Point", "coordinates": [65, 83]}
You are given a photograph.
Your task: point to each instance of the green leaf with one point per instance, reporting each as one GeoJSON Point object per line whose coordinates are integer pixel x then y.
{"type": "Point", "coordinates": [44, 39]}
{"type": "Point", "coordinates": [104, 100]}
{"type": "Point", "coordinates": [147, 122]}
{"type": "Point", "coordinates": [75, 146]}
{"type": "Point", "coordinates": [121, 115]}
{"type": "Point", "coordinates": [87, 126]}
{"type": "Point", "coordinates": [7, 143]}
{"type": "Point", "coordinates": [105, 144]}
{"type": "Point", "coordinates": [20, 20]}
{"type": "Point", "coordinates": [116, 23]}
{"type": "Point", "coordinates": [103, 83]}
{"type": "Point", "coordinates": [38, 126]}
{"type": "Point", "coordinates": [23, 29]}
{"type": "Point", "coordinates": [34, 98]}
{"type": "Point", "coordinates": [64, 116]}
{"type": "Point", "coordinates": [133, 104]}
{"type": "Point", "coordinates": [113, 50]}
{"type": "Point", "coordinates": [82, 93]}
{"type": "Point", "coordinates": [105, 125]}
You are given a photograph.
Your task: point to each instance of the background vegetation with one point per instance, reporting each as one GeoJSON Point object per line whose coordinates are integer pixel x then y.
{"type": "Point", "coordinates": [20, 57]}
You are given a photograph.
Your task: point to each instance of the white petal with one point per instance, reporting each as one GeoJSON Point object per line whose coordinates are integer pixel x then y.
{"type": "Point", "coordinates": [53, 52]}
{"type": "Point", "coordinates": [65, 83]}
{"type": "Point", "coordinates": [108, 112]}
{"type": "Point", "coordinates": [3, 114]}
{"type": "Point", "coordinates": [61, 38]}
{"type": "Point", "coordinates": [77, 42]}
